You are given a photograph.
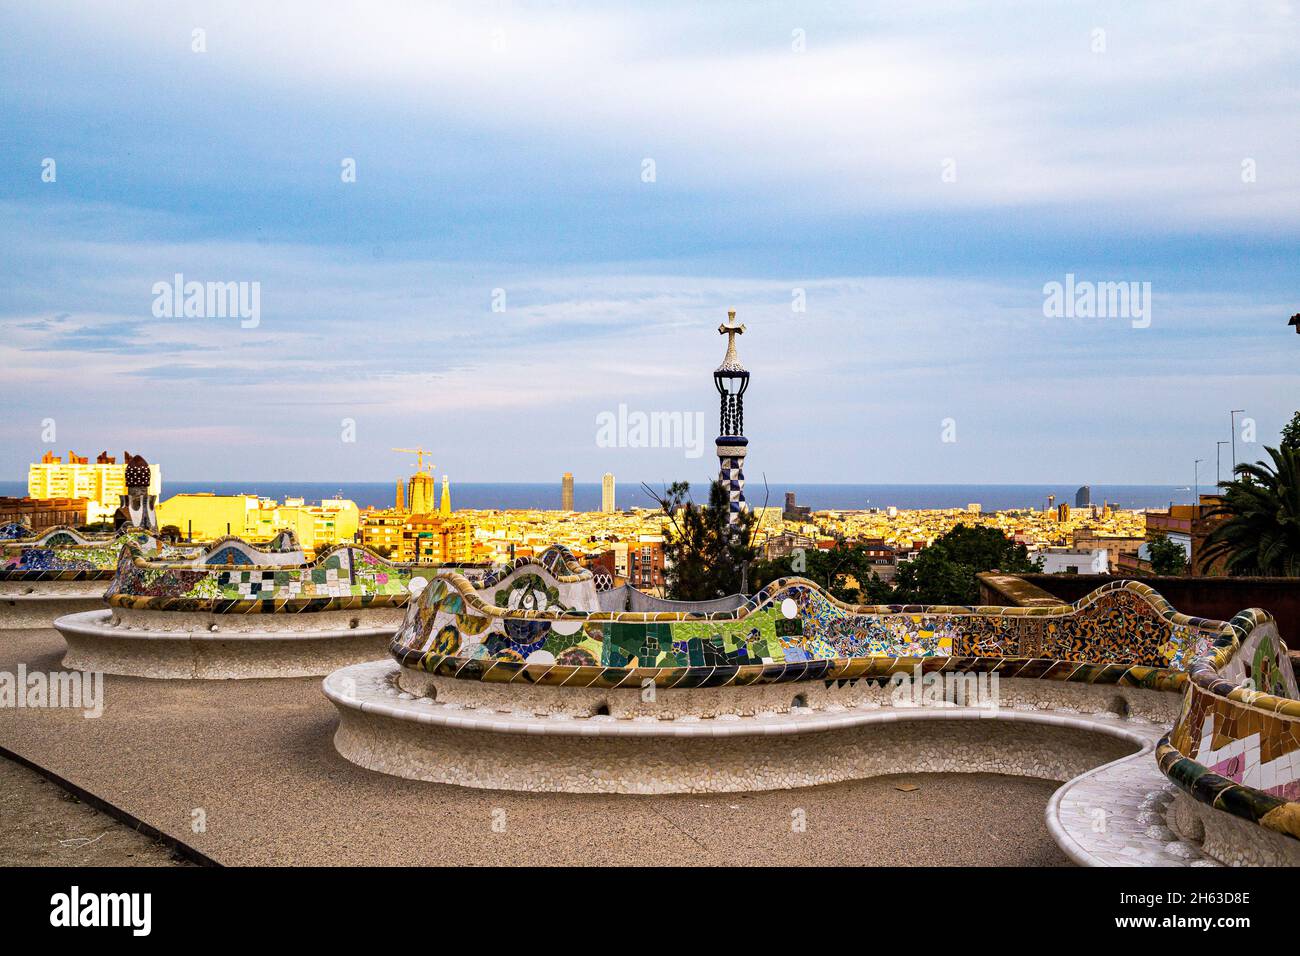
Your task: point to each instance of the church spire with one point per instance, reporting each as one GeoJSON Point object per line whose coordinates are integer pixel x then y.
{"type": "Point", "coordinates": [731, 361]}
{"type": "Point", "coordinates": [731, 379]}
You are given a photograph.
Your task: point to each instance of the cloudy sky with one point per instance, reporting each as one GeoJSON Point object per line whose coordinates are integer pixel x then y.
{"type": "Point", "coordinates": [914, 175]}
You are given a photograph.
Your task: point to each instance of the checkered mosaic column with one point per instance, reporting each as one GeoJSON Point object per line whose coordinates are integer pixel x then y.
{"type": "Point", "coordinates": [731, 472]}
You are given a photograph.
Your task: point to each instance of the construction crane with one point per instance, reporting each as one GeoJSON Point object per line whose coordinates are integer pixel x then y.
{"type": "Point", "coordinates": [419, 454]}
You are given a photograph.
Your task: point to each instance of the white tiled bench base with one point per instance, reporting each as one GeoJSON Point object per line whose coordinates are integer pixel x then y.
{"type": "Point", "coordinates": [1115, 816]}
{"type": "Point", "coordinates": [383, 727]}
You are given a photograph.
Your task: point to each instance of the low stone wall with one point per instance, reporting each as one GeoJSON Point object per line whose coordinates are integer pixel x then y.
{"type": "Point", "coordinates": [1010, 590]}
{"type": "Point", "coordinates": [179, 644]}
{"type": "Point", "coordinates": [1230, 839]}
{"type": "Point", "coordinates": [384, 729]}
{"type": "Point", "coordinates": [709, 702]}
{"type": "Point", "coordinates": [30, 605]}
{"type": "Point", "coordinates": [707, 765]}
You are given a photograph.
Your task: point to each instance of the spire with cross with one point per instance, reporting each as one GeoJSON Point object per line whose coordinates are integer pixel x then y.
{"type": "Point", "coordinates": [731, 361]}
{"type": "Point", "coordinates": [731, 378]}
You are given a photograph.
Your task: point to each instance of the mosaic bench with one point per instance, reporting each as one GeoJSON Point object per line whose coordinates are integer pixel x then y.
{"type": "Point", "coordinates": [62, 571]}
{"type": "Point", "coordinates": [201, 620]}
{"type": "Point", "coordinates": [1234, 750]}
{"type": "Point", "coordinates": [522, 680]}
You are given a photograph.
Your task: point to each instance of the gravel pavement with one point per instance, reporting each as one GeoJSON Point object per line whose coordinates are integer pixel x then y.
{"type": "Point", "coordinates": [245, 771]}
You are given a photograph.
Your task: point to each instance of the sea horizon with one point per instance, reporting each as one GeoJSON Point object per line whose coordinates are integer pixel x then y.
{"type": "Point", "coordinates": [545, 496]}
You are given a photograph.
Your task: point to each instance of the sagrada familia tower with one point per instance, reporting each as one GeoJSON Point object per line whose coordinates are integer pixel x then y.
{"type": "Point", "coordinates": [731, 379]}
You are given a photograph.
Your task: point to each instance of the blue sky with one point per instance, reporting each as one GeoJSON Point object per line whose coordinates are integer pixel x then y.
{"type": "Point", "coordinates": [501, 146]}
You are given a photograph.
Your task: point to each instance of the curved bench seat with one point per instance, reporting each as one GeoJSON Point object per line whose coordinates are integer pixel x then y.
{"type": "Point", "coordinates": [529, 652]}
{"type": "Point", "coordinates": [35, 605]}
{"type": "Point", "coordinates": [387, 729]}
{"type": "Point", "coordinates": [202, 645]}
{"type": "Point", "coordinates": [1119, 814]}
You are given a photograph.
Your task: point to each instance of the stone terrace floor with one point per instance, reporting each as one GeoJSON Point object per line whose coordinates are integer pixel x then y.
{"type": "Point", "coordinates": [257, 757]}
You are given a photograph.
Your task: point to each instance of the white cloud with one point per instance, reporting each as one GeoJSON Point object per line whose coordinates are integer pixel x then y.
{"type": "Point", "coordinates": [856, 386]}
{"type": "Point", "coordinates": [1158, 124]}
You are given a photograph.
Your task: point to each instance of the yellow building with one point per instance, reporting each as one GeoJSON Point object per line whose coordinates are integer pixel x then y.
{"type": "Point", "coordinates": [436, 539]}
{"type": "Point", "coordinates": [333, 521]}
{"type": "Point", "coordinates": [101, 482]}
{"type": "Point", "coordinates": [382, 530]}
{"type": "Point", "coordinates": [205, 517]}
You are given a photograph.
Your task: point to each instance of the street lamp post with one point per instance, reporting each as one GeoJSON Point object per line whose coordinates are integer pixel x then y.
{"type": "Point", "coordinates": [1232, 417]}
{"type": "Point", "coordinates": [1196, 482]}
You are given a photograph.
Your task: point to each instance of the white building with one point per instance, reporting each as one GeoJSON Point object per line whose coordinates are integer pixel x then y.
{"type": "Point", "coordinates": [607, 493]}
{"type": "Point", "coordinates": [101, 482]}
{"type": "Point", "coordinates": [1075, 561]}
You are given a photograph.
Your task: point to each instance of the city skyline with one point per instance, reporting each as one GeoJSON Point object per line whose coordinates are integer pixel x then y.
{"type": "Point", "coordinates": [921, 265]}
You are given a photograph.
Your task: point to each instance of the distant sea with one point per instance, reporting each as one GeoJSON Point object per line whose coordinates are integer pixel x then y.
{"type": "Point", "coordinates": [586, 496]}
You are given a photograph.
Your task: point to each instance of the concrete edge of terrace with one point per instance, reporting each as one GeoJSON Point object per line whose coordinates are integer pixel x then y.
{"type": "Point", "coordinates": [39, 608]}
{"type": "Point", "coordinates": [202, 645]}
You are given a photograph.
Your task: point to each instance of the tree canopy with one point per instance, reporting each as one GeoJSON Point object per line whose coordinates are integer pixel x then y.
{"type": "Point", "coordinates": [945, 570]}
{"type": "Point", "coordinates": [943, 573]}
{"type": "Point", "coordinates": [705, 555]}
{"type": "Point", "coordinates": [845, 570]}
{"type": "Point", "coordinates": [1167, 557]}
{"type": "Point", "coordinates": [1291, 432]}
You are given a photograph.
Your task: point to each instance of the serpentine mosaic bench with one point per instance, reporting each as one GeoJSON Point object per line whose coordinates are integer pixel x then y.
{"type": "Point", "coordinates": [524, 680]}
{"type": "Point", "coordinates": [195, 619]}
{"type": "Point", "coordinates": [1234, 750]}
{"type": "Point", "coordinates": [63, 571]}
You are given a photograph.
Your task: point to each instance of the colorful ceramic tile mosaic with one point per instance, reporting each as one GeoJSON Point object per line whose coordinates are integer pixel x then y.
{"type": "Point", "coordinates": [345, 576]}
{"type": "Point", "coordinates": [231, 551]}
{"type": "Point", "coordinates": [527, 614]}
{"type": "Point", "coordinates": [1236, 743]}
{"type": "Point", "coordinates": [64, 553]}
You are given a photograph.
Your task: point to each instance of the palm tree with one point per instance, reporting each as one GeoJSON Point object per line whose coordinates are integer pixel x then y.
{"type": "Point", "coordinates": [1260, 533]}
